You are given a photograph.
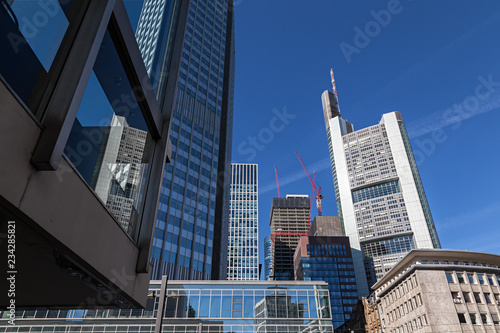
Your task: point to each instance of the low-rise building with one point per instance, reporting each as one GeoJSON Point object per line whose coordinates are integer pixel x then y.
{"type": "Point", "coordinates": [441, 291]}
{"type": "Point", "coordinates": [195, 307]}
{"type": "Point", "coordinates": [372, 318]}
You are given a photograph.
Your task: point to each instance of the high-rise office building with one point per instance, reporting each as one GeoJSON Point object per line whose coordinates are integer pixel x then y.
{"type": "Point", "coordinates": [329, 259]}
{"type": "Point", "coordinates": [289, 220]}
{"type": "Point", "coordinates": [268, 258]}
{"type": "Point", "coordinates": [378, 190]}
{"type": "Point", "coordinates": [190, 241]}
{"type": "Point", "coordinates": [243, 249]}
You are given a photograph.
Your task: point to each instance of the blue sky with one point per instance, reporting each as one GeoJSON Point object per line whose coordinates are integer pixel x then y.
{"type": "Point", "coordinates": [435, 62]}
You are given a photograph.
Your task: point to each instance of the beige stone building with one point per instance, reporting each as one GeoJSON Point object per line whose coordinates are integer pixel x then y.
{"type": "Point", "coordinates": [372, 317]}
{"type": "Point", "coordinates": [440, 291]}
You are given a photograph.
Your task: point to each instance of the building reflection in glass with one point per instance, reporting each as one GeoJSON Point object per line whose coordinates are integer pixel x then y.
{"type": "Point", "coordinates": [199, 306]}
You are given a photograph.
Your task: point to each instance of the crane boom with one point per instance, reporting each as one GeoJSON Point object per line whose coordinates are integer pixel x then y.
{"type": "Point", "coordinates": [277, 182]}
{"type": "Point", "coordinates": [317, 190]}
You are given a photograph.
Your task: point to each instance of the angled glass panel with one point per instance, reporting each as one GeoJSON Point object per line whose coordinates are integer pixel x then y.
{"type": "Point", "coordinates": [31, 35]}
{"type": "Point", "coordinates": [109, 143]}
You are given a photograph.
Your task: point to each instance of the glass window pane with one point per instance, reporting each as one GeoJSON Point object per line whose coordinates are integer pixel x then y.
{"type": "Point", "coordinates": [31, 34]}
{"type": "Point", "coordinates": [313, 308]}
{"type": "Point", "coordinates": [192, 310]}
{"type": "Point", "coordinates": [215, 306]}
{"type": "Point", "coordinates": [204, 306]}
{"type": "Point", "coordinates": [249, 306]}
{"type": "Point", "coordinates": [109, 143]}
{"type": "Point", "coordinates": [226, 306]}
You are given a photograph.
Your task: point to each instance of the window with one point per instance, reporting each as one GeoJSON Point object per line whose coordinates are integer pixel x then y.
{"type": "Point", "coordinates": [467, 297]}
{"type": "Point", "coordinates": [456, 297]}
{"type": "Point", "coordinates": [29, 54]}
{"type": "Point", "coordinates": [118, 146]}
{"type": "Point", "coordinates": [477, 298]}
{"type": "Point", "coordinates": [484, 318]}
{"type": "Point", "coordinates": [461, 318]}
{"type": "Point", "coordinates": [460, 278]}
{"type": "Point", "coordinates": [473, 318]}
{"type": "Point", "coordinates": [490, 280]}
{"type": "Point", "coordinates": [481, 279]}
{"type": "Point", "coordinates": [487, 298]}
{"type": "Point", "coordinates": [496, 319]}
{"type": "Point", "coordinates": [471, 278]}
{"type": "Point", "coordinates": [449, 277]}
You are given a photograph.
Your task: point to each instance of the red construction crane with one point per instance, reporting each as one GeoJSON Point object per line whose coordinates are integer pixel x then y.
{"type": "Point", "coordinates": [277, 182]}
{"type": "Point", "coordinates": [317, 190]}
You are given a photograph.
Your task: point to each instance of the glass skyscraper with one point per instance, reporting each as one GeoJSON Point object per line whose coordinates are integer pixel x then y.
{"type": "Point", "coordinates": [379, 194]}
{"type": "Point", "coordinates": [191, 43]}
{"type": "Point", "coordinates": [329, 259]}
{"type": "Point", "coordinates": [243, 250]}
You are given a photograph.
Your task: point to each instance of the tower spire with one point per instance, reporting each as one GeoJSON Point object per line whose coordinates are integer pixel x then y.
{"type": "Point", "coordinates": [335, 92]}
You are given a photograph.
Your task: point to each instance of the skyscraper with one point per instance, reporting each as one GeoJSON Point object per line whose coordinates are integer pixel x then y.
{"type": "Point", "coordinates": [378, 190]}
{"type": "Point", "coordinates": [268, 259]}
{"type": "Point", "coordinates": [329, 259]}
{"type": "Point", "coordinates": [243, 249]}
{"type": "Point", "coordinates": [188, 49]}
{"type": "Point", "coordinates": [289, 220]}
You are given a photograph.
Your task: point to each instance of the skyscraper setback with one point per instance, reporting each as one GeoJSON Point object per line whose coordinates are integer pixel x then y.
{"type": "Point", "coordinates": [189, 45]}
{"type": "Point", "coordinates": [243, 249]}
{"type": "Point", "coordinates": [378, 190]}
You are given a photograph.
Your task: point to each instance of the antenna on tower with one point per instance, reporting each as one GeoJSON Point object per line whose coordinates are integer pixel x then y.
{"type": "Point", "coordinates": [335, 91]}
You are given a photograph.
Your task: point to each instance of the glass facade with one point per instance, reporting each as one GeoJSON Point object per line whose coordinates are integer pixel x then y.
{"type": "Point", "coordinates": [243, 256]}
{"type": "Point", "coordinates": [268, 258]}
{"type": "Point", "coordinates": [396, 245]}
{"type": "Point", "coordinates": [376, 191]}
{"type": "Point", "coordinates": [329, 259]}
{"type": "Point", "coordinates": [109, 143]}
{"type": "Point", "coordinates": [197, 307]}
{"type": "Point", "coordinates": [190, 241]}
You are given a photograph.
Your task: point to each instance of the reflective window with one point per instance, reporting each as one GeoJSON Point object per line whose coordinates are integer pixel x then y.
{"type": "Point", "coordinates": [31, 36]}
{"type": "Point", "coordinates": [109, 143]}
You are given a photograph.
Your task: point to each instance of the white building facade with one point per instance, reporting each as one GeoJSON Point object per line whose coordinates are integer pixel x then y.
{"type": "Point", "coordinates": [379, 194]}
{"type": "Point", "coordinates": [243, 249]}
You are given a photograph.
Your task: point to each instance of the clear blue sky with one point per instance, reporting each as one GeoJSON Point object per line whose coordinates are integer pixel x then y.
{"type": "Point", "coordinates": [428, 58]}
